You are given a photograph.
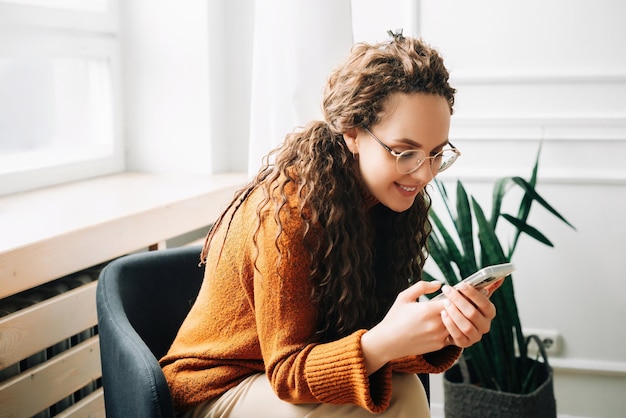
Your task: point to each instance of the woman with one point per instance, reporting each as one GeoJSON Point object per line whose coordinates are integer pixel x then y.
{"type": "Point", "coordinates": [309, 303]}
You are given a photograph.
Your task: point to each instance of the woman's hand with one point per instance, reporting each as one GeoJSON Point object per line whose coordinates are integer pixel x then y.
{"type": "Point", "coordinates": [467, 314]}
{"type": "Point", "coordinates": [408, 328]}
{"type": "Point", "coordinates": [412, 328]}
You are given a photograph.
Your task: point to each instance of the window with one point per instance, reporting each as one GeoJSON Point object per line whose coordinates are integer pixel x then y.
{"type": "Point", "coordinates": [59, 92]}
{"type": "Point", "coordinates": [82, 5]}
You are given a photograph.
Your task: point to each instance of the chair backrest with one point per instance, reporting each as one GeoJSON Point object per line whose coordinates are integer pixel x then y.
{"type": "Point", "coordinates": [142, 299]}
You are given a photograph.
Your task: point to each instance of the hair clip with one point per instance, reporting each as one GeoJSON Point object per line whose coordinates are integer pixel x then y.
{"type": "Point", "coordinates": [395, 36]}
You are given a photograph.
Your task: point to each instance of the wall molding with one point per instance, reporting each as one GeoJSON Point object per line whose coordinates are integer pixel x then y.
{"type": "Point", "coordinates": [487, 78]}
{"type": "Point", "coordinates": [563, 178]}
{"type": "Point", "coordinates": [585, 135]}
{"type": "Point", "coordinates": [562, 128]}
{"type": "Point", "coordinates": [589, 367]}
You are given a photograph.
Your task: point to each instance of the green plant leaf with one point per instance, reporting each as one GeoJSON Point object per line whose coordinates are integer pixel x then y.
{"type": "Point", "coordinates": [532, 193]}
{"type": "Point", "coordinates": [444, 195]}
{"type": "Point", "coordinates": [499, 190]}
{"type": "Point", "coordinates": [464, 227]}
{"type": "Point", "coordinates": [492, 252]}
{"type": "Point", "coordinates": [527, 229]}
{"type": "Point", "coordinates": [526, 202]}
{"type": "Point", "coordinates": [442, 188]}
{"type": "Point", "coordinates": [453, 251]}
{"type": "Point", "coordinates": [533, 174]}
{"type": "Point", "coordinates": [500, 358]}
{"type": "Point", "coordinates": [427, 277]}
{"type": "Point", "coordinates": [441, 258]}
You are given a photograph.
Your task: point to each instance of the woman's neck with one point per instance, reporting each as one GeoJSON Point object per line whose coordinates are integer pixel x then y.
{"type": "Point", "coordinates": [368, 197]}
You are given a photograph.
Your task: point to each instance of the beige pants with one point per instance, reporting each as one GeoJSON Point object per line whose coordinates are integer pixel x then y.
{"type": "Point", "coordinates": [254, 398]}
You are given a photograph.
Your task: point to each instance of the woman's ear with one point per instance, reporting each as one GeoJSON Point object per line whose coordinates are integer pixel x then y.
{"type": "Point", "coordinates": [351, 139]}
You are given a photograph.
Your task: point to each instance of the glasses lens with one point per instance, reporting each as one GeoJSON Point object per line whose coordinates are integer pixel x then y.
{"type": "Point", "coordinates": [409, 161]}
{"type": "Point", "coordinates": [444, 160]}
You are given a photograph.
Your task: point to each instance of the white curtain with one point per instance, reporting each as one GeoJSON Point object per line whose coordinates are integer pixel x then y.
{"type": "Point", "coordinates": [296, 46]}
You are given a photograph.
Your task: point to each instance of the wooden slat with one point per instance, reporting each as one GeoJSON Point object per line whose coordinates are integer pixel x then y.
{"type": "Point", "coordinates": [55, 232]}
{"type": "Point", "coordinates": [44, 324]}
{"type": "Point", "coordinates": [91, 406]}
{"type": "Point", "coordinates": [42, 386]}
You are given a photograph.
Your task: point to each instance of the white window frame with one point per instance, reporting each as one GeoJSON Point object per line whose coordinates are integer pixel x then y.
{"type": "Point", "coordinates": [70, 33]}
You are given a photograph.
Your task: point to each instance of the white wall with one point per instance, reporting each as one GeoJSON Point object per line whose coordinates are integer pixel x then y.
{"type": "Point", "coordinates": [526, 71]}
{"type": "Point", "coordinates": [166, 86]}
{"type": "Point", "coordinates": [551, 71]}
{"type": "Point", "coordinates": [186, 83]}
{"type": "Point", "coordinates": [231, 24]}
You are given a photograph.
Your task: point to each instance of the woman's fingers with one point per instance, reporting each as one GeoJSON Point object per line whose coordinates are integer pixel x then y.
{"type": "Point", "coordinates": [469, 299]}
{"type": "Point", "coordinates": [467, 314]}
{"type": "Point", "coordinates": [462, 331]}
{"type": "Point", "coordinates": [420, 288]}
{"type": "Point", "coordinates": [493, 287]}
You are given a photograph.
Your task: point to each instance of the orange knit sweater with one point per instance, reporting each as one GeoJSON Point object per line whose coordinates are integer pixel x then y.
{"type": "Point", "coordinates": [248, 319]}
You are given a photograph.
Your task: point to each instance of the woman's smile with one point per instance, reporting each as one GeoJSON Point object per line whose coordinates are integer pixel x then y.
{"type": "Point", "coordinates": [407, 191]}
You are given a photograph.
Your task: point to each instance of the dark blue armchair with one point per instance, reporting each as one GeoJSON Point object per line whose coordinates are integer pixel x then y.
{"type": "Point", "coordinates": [142, 299]}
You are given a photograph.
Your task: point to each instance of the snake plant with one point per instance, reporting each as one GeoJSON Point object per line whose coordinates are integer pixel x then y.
{"type": "Point", "coordinates": [500, 360]}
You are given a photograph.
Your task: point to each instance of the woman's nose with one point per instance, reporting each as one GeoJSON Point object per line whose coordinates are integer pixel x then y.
{"type": "Point", "coordinates": [424, 173]}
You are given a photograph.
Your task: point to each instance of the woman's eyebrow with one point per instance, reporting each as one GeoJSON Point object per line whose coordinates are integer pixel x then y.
{"type": "Point", "coordinates": [417, 145]}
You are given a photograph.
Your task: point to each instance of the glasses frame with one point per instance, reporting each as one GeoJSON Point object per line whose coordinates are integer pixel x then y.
{"type": "Point", "coordinates": [431, 158]}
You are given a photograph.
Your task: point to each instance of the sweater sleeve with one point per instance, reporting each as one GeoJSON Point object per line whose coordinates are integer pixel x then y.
{"type": "Point", "coordinates": [298, 370]}
{"type": "Point", "coordinates": [435, 362]}
{"type": "Point", "coordinates": [336, 374]}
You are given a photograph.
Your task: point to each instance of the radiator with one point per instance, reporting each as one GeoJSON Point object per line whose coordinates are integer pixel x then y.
{"type": "Point", "coordinates": [12, 306]}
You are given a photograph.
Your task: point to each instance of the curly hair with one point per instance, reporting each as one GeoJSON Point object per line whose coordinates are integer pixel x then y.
{"type": "Point", "coordinates": [362, 258]}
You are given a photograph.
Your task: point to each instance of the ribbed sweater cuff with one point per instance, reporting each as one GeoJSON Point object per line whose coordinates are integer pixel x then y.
{"type": "Point", "coordinates": [336, 374]}
{"type": "Point", "coordinates": [435, 362]}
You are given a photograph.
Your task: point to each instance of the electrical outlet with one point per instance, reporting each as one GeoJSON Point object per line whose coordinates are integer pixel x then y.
{"type": "Point", "coordinates": [551, 341]}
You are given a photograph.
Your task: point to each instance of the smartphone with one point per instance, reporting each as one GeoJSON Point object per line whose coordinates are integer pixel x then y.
{"type": "Point", "coordinates": [486, 276]}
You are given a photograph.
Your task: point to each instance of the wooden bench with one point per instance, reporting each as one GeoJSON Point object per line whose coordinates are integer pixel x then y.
{"type": "Point", "coordinates": [53, 243]}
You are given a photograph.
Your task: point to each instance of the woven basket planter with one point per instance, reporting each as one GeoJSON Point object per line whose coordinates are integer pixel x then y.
{"type": "Point", "coordinates": [464, 399]}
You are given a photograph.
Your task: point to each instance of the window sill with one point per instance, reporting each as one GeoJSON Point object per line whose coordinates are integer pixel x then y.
{"type": "Point", "coordinates": [53, 232]}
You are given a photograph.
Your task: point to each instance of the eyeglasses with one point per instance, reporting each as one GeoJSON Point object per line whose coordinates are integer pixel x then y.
{"type": "Point", "coordinates": [410, 160]}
